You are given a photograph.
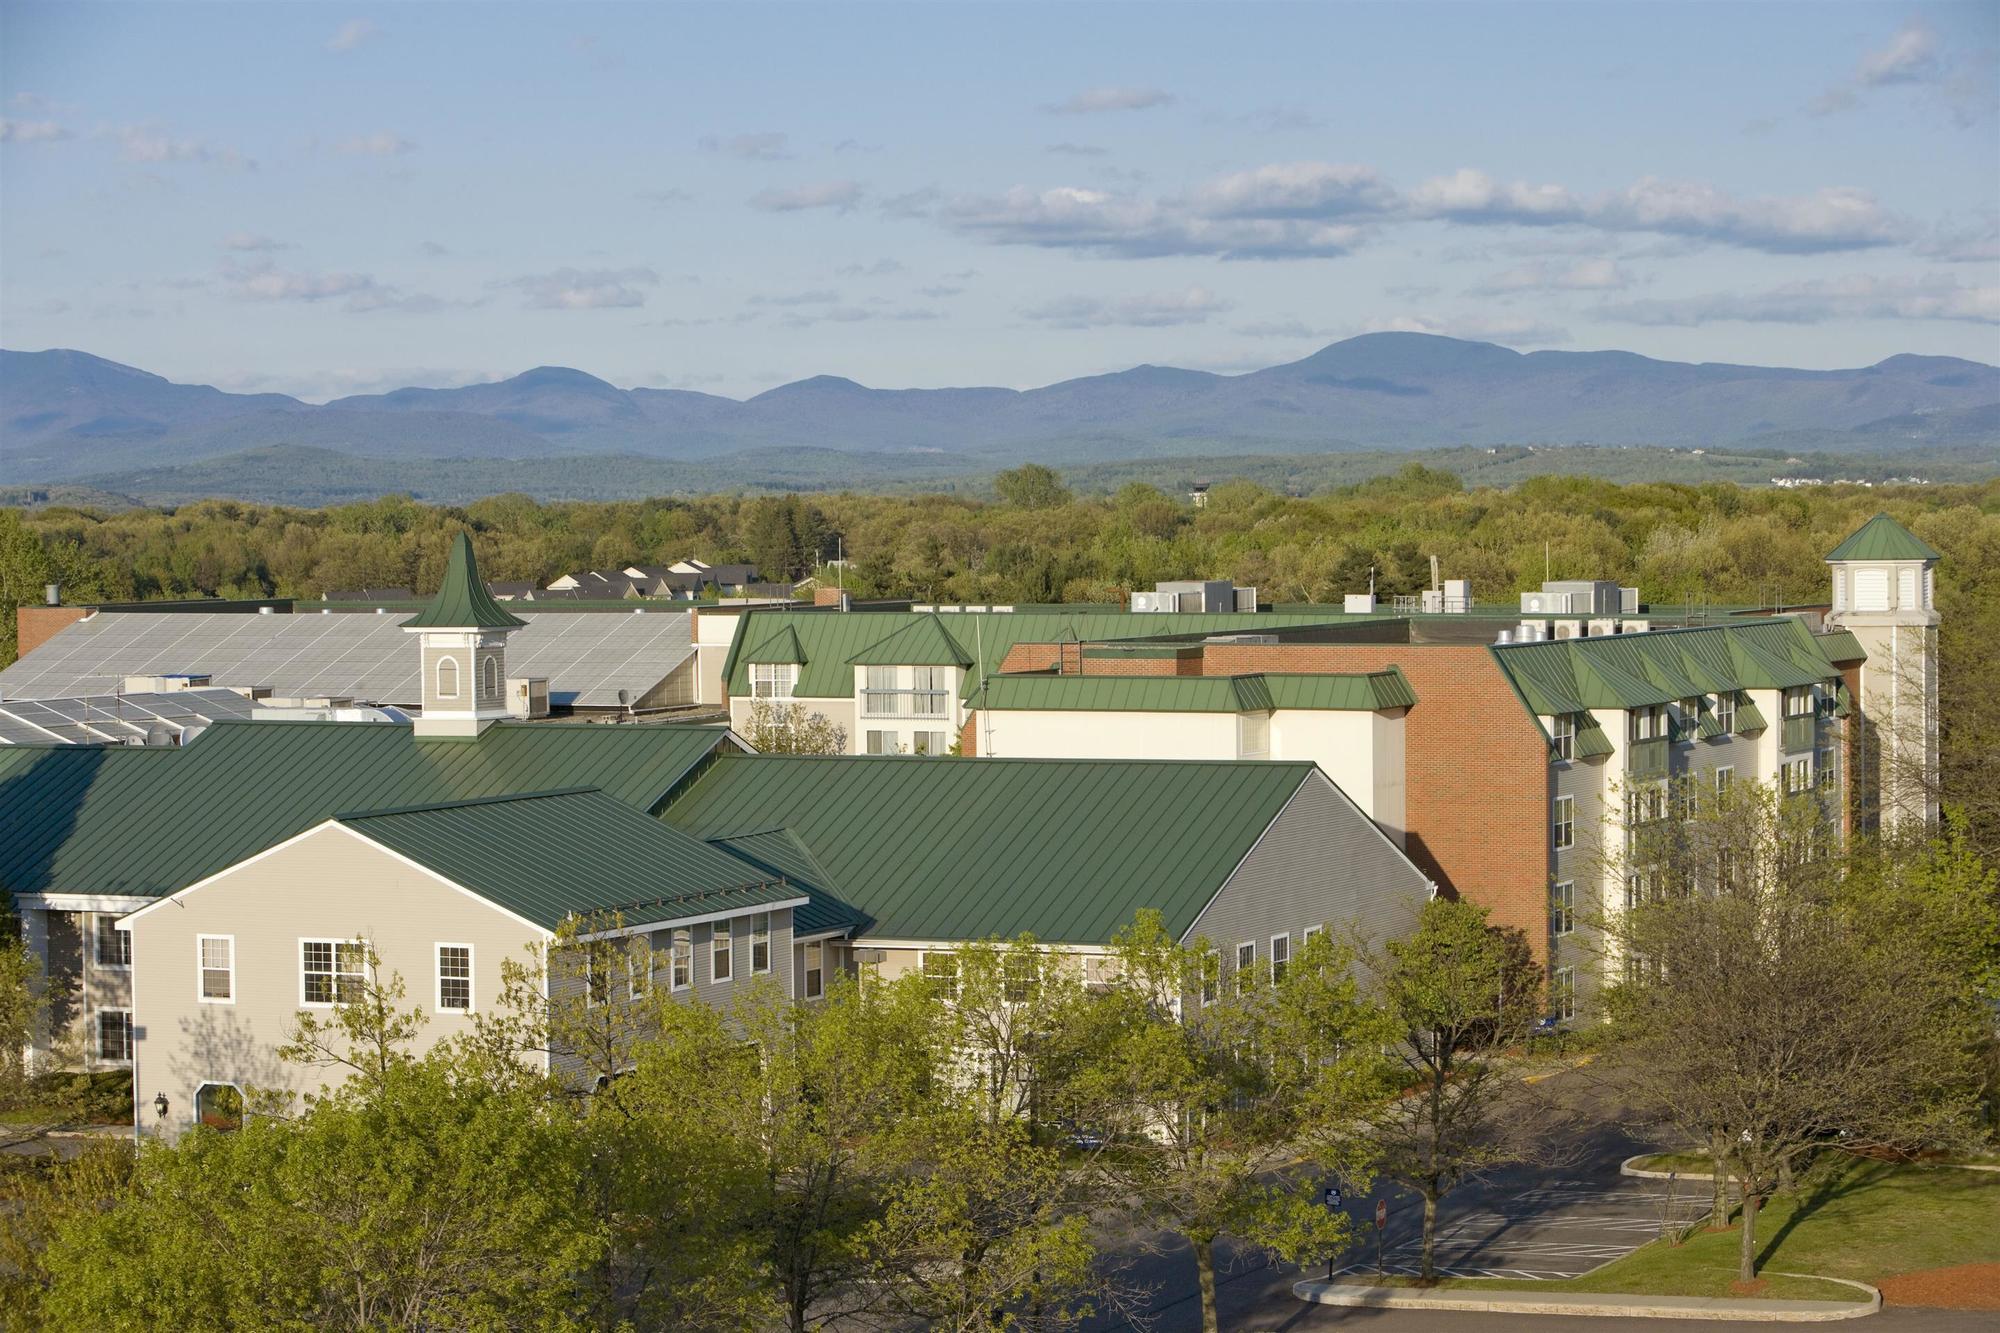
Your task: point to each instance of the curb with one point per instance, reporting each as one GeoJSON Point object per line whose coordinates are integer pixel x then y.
{"type": "Point", "coordinates": [1625, 1168]}
{"type": "Point", "coordinates": [1608, 1305]}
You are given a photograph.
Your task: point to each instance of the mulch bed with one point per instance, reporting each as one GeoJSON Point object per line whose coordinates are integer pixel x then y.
{"type": "Point", "coordinates": [1965, 1287]}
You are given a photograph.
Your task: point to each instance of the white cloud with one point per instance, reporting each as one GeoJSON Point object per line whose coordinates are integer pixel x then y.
{"type": "Point", "coordinates": [1148, 310]}
{"type": "Point", "coordinates": [1280, 328]}
{"type": "Point", "coordinates": [359, 292]}
{"type": "Point", "coordinates": [31, 131]}
{"type": "Point", "coordinates": [1076, 150]}
{"type": "Point", "coordinates": [149, 144]}
{"type": "Point", "coordinates": [818, 297]}
{"type": "Point", "coordinates": [1508, 332]}
{"type": "Point", "coordinates": [1914, 58]}
{"type": "Point", "coordinates": [1926, 297]}
{"type": "Point", "coordinates": [1302, 190]}
{"type": "Point", "coordinates": [251, 242]}
{"type": "Point", "coordinates": [881, 268]}
{"type": "Point", "coordinates": [839, 195]}
{"type": "Point", "coordinates": [384, 143]}
{"type": "Point", "coordinates": [1094, 100]}
{"type": "Point", "coordinates": [352, 34]}
{"type": "Point", "coordinates": [1585, 275]}
{"type": "Point", "coordinates": [768, 147]}
{"type": "Point", "coordinates": [1909, 57]}
{"type": "Point", "coordinates": [1130, 227]}
{"type": "Point", "coordinates": [586, 289]}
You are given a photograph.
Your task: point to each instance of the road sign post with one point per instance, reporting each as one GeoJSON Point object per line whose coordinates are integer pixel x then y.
{"type": "Point", "coordinates": [1332, 1206]}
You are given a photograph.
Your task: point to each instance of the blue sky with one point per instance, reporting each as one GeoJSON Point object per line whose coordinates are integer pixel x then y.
{"type": "Point", "coordinates": [324, 199]}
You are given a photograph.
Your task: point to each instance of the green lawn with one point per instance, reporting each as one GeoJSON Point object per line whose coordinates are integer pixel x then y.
{"type": "Point", "coordinates": [1862, 1220]}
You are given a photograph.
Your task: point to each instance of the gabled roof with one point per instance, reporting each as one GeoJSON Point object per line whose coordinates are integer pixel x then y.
{"type": "Point", "coordinates": [549, 856]}
{"type": "Point", "coordinates": [923, 642]}
{"type": "Point", "coordinates": [1883, 538]}
{"type": "Point", "coordinates": [462, 601]}
{"type": "Point", "coordinates": [1259, 692]}
{"type": "Point", "coordinates": [780, 647]}
{"type": "Point", "coordinates": [778, 852]}
{"type": "Point", "coordinates": [949, 849]}
{"type": "Point", "coordinates": [149, 822]}
{"type": "Point", "coordinates": [831, 640]}
{"type": "Point", "coordinates": [1660, 666]}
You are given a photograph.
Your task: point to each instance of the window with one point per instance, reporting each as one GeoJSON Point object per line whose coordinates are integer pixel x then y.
{"type": "Point", "coordinates": [1823, 765]}
{"type": "Point", "coordinates": [639, 966]}
{"type": "Point", "coordinates": [760, 942]}
{"type": "Point", "coordinates": [680, 951]}
{"type": "Point", "coordinates": [1565, 822]}
{"type": "Point", "coordinates": [1690, 719]}
{"type": "Point", "coordinates": [1311, 931]}
{"type": "Point", "coordinates": [216, 962]}
{"type": "Point", "coordinates": [941, 974]}
{"type": "Point", "coordinates": [1725, 783]}
{"type": "Point", "coordinates": [1562, 734]}
{"type": "Point", "coordinates": [1799, 702]}
{"type": "Point", "coordinates": [1246, 965]}
{"type": "Point", "coordinates": [114, 1034]}
{"type": "Point", "coordinates": [773, 680]}
{"type": "Point", "coordinates": [813, 979]}
{"type": "Point", "coordinates": [929, 742]}
{"type": "Point", "coordinates": [1018, 977]}
{"type": "Point", "coordinates": [1646, 803]}
{"type": "Point", "coordinates": [596, 980]}
{"type": "Point", "coordinates": [218, 1106]}
{"type": "Point", "coordinates": [881, 742]}
{"type": "Point", "coordinates": [1211, 976]}
{"type": "Point", "coordinates": [1281, 956]}
{"type": "Point", "coordinates": [1253, 735]}
{"type": "Point", "coordinates": [1725, 711]}
{"type": "Point", "coordinates": [721, 959]}
{"type": "Point", "coordinates": [1562, 909]}
{"type": "Point", "coordinates": [114, 945]}
{"type": "Point", "coordinates": [489, 671]}
{"type": "Point", "coordinates": [1562, 994]}
{"type": "Point", "coordinates": [331, 971]}
{"type": "Point", "coordinates": [1798, 776]}
{"type": "Point", "coordinates": [447, 678]}
{"type": "Point", "coordinates": [1645, 724]}
{"type": "Point", "coordinates": [1641, 886]}
{"type": "Point", "coordinates": [454, 978]}
{"type": "Point", "coordinates": [880, 678]}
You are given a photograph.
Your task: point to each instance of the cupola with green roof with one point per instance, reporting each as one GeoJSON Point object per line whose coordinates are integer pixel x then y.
{"type": "Point", "coordinates": [463, 639]}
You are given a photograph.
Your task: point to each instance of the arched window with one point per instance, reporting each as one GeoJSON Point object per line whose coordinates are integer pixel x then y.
{"type": "Point", "coordinates": [489, 671]}
{"type": "Point", "coordinates": [447, 681]}
{"type": "Point", "coordinates": [218, 1106]}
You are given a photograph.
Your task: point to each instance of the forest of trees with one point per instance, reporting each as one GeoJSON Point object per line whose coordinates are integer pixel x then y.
{"type": "Point", "coordinates": [1038, 542]}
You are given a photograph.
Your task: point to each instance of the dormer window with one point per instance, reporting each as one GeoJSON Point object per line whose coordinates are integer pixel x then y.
{"type": "Point", "coordinates": [489, 671]}
{"type": "Point", "coordinates": [447, 678]}
{"type": "Point", "coordinates": [773, 680]}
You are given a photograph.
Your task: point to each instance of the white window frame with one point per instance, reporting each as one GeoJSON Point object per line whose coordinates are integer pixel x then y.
{"type": "Point", "coordinates": [680, 959]}
{"type": "Point", "coordinates": [1562, 823]}
{"type": "Point", "coordinates": [1210, 989]}
{"type": "Point", "coordinates": [1562, 908]}
{"type": "Point", "coordinates": [1725, 711]}
{"type": "Point", "coordinates": [760, 933]}
{"type": "Point", "coordinates": [97, 1045]}
{"type": "Point", "coordinates": [1563, 999]}
{"type": "Point", "coordinates": [124, 945]}
{"type": "Point", "coordinates": [722, 945]}
{"type": "Point", "coordinates": [1278, 965]}
{"type": "Point", "coordinates": [1305, 937]}
{"type": "Point", "coordinates": [202, 969]}
{"type": "Point", "coordinates": [1562, 734]}
{"type": "Point", "coordinates": [437, 970]}
{"type": "Point", "coordinates": [336, 973]}
{"type": "Point", "coordinates": [1725, 781]}
{"type": "Point", "coordinates": [773, 680]}
{"type": "Point", "coordinates": [638, 977]}
{"type": "Point", "coordinates": [942, 982]}
{"type": "Point", "coordinates": [438, 672]}
{"type": "Point", "coordinates": [1246, 965]}
{"type": "Point", "coordinates": [809, 989]}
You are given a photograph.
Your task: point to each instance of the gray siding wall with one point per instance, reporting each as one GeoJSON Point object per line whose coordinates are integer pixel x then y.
{"type": "Point", "coordinates": [1321, 863]}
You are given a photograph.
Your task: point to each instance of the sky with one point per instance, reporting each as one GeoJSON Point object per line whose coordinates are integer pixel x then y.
{"type": "Point", "coordinates": [331, 199]}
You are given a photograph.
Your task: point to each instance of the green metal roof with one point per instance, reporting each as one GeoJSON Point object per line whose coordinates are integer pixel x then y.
{"type": "Point", "coordinates": [1840, 645]}
{"type": "Point", "coordinates": [462, 601]}
{"type": "Point", "coordinates": [922, 642]}
{"type": "Point", "coordinates": [777, 852]}
{"type": "Point", "coordinates": [831, 641]}
{"type": "Point", "coordinates": [1591, 742]}
{"type": "Point", "coordinates": [1255, 693]}
{"type": "Point", "coordinates": [1883, 538]}
{"type": "Point", "coordinates": [780, 647]}
{"type": "Point", "coordinates": [141, 821]}
{"type": "Point", "coordinates": [1662, 666]}
{"type": "Point", "coordinates": [549, 856]}
{"type": "Point", "coordinates": [948, 849]}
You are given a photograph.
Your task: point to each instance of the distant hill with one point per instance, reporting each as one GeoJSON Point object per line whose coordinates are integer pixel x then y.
{"type": "Point", "coordinates": [65, 414]}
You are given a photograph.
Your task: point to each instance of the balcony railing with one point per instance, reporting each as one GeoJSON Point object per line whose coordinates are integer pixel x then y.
{"type": "Point", "coordinates": [1801, 732]}
{"type": "Point", "coordinates": [905, 703]}
{"type": "Point", "coordinates": [1647, 759]}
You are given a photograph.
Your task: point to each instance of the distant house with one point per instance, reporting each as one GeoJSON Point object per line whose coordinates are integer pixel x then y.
{"type": "Point", "coordinates": [684, 580]}
{"type": "Point", "coordinates": [369, 595]}
{"type": "Point", "coordinates": [512, 591]}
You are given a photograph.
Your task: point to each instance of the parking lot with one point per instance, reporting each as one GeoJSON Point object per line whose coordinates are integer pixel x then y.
{"type": "Point", "coordinates": [1553, 1229]}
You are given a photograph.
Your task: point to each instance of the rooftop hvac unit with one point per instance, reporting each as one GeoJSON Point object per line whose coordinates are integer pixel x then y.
{"type": "Point", "coordinates": [1359, 603]}
{"type": "Point", "coordinates": [1506, 636]}
{"type": "Point", "coordinates": [528, 696]}
{"type": "Point", "coordinates": [1569, 629]}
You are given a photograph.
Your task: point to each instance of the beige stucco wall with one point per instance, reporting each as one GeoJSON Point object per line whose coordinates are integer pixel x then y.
{"type": "Point", "coordinates": [1080, 734]}
{"type": "Point", "coordinates": [1361, 752]}
{"type": "Point", "coordinates": [841, 711]}
{"type": "Point", "coordinates": [327, 884]}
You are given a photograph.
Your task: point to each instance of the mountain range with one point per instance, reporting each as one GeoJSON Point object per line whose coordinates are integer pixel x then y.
{"type": "Point", "coordinates": [69, 416]}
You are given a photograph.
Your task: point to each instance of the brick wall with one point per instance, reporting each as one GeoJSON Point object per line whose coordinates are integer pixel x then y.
{"type": "Point", "coordinates": [36, 625]}
{"type": "Point", "coordinates": [826, 596]}
{"type": "Point", "coordinates": [968, 735]}
{"type": "Point", "coordinates": [1029, 657]}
